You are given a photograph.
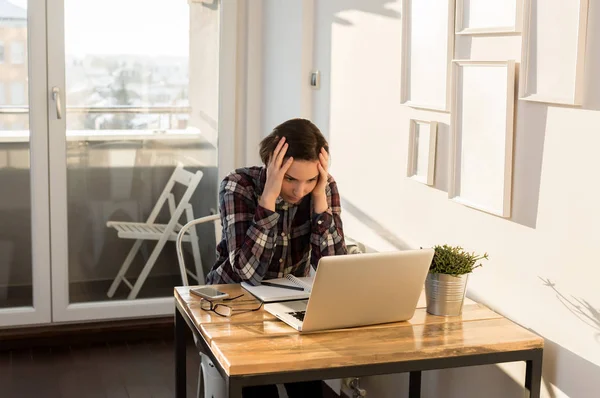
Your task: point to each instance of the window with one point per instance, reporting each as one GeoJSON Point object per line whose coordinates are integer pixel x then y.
{"type": "Point", "coordinates": [1, 52]}
{"type": "Point", "coordinates": [17, 52]}
{"type": "Point", "coordinates": [2, 94]}
{"type": "Point", "coordinates": [17, 93]}
{"type": "Point", "coordinates": [18, 126]}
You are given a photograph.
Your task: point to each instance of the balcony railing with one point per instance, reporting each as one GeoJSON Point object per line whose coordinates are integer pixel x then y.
{"type": "Point", "coordinates": [111, 134]}
{"type": "Point", "coordinates": [19, 110]}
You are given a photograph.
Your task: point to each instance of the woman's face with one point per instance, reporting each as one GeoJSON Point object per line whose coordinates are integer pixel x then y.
{"type": "Point", "coordinates": [300, 179]}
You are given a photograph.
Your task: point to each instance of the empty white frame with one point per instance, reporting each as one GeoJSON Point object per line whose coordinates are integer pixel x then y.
{"type": "Point", "coordinates": [475, 17]}
{"type": "Point", "coordinates": [553, 51]}
{"type": "Point", "coordinates": [482, 120]}
{"type": "Point", "coordinates": [427, 52]}
{"type": "Point", "coordinates": [422, 140]}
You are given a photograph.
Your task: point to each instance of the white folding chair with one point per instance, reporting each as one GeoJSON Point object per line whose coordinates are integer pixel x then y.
{"type": "Point", "coordinates": [150, 230]}
{"type": "Point", "coordinates": [199, 277]}
{"type": "Point", "coordinates": [210, 382]}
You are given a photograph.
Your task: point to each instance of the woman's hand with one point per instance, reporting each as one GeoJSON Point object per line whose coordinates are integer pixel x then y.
{"type": "Point", "coordinates": [319, 194]}
{"type": "Point", "coordinates": [276, 170]}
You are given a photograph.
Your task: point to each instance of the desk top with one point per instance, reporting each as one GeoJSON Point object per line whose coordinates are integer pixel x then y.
{"type": "Point", "coordinates": [257, 342]}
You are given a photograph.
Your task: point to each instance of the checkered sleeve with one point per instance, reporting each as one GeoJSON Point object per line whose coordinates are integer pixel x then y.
{"type": "Point", "coordinates": [249, 232]}
{"type": "Point", "coordinates": [327, 234]}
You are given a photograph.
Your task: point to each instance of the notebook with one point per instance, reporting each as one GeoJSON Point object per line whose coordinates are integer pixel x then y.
{"type": "Point", "coordinates": [269, 294]}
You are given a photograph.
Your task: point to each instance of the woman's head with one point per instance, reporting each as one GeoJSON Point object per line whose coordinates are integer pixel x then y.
{"type": "Point", "coordinates": [304, 141]}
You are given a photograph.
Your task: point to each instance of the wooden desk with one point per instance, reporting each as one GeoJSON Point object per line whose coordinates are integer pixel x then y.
{"type": "Point", "coordinates": [256, 348]}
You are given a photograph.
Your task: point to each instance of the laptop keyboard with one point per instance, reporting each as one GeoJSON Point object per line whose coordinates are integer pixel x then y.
{"type": "Point", "coordinates": [299, 315]}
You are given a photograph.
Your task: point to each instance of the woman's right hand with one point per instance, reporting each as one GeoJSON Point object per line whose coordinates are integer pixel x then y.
{"type": "Point", "coordinates": [276, 170]}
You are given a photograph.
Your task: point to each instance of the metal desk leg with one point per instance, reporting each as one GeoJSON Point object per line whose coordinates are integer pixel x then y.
{"type": "Point", "coordinates": [180, 361]}
{"type": "Point", "coordinates": [533, 375]}
{"type": "Point", "coordinates": [414, 385]}
{"type": "Point", "coordinates": [234, 389]}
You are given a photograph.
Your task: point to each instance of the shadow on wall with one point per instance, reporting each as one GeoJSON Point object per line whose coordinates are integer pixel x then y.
{"type": "Point", "coordinates": [591, 98]}
{"type": "Point", "coordinates": [442, 157]}
{"type": "Point", "coordinates": [530, 128]}
{"type": "Point", "coordinates": [530, 123]}
{"type": "Point", "coordinates": [564, 375]}
{"type": "Point", "coordinates": [373, 225]}
{"type": "Point", "coordinates": [528, 153]}
{"type": "Point", "coordinates": [571, 374]}
{"type": "Point", "coordinates": [211, 6]}
{"type": "Point", "coordinates": [579, 307]}
{"type": "Point", "coordinates": [530, 133]}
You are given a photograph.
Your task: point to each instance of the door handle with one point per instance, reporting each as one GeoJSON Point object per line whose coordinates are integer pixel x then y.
{"type": "Point", "coordinates": [56, 98]}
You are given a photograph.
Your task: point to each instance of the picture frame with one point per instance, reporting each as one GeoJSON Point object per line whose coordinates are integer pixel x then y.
{"type": "Point", "coordinates": [482, 135]}
{"type": "Point", "coordinates": [426, 67]}
{"type": "Point", "coordinates": [551, 56]}
{"type": "Point", "coordinates": [422, 142]}
{"type": "Point", "coordinates": [485, 17]}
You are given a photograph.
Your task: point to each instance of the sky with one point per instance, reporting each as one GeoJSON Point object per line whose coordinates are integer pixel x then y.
{"type": "Point", "coordinates": [136, 27]}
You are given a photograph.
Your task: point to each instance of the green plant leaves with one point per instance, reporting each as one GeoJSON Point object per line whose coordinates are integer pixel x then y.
{"type": "Point", "coordinates": [454, 261]}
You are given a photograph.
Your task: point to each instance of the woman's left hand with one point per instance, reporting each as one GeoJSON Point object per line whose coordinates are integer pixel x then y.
{"type": "Point", "coordinates": [319, 194]}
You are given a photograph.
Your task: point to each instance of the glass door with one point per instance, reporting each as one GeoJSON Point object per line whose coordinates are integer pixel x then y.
{"type": "Point", "coordinates": [133, 95]}
{"type": "Point", "coordinates": [24, 213]}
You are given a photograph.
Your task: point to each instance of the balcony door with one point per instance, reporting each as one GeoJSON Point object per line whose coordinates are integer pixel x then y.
{"type": "Point", "coordinates": [24, 213]}
{"type": "Point", "coordinates": [133, 92]}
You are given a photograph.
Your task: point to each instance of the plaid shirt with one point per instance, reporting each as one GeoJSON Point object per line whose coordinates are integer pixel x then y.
{"type": "Point", "coordinates": [262, 244]}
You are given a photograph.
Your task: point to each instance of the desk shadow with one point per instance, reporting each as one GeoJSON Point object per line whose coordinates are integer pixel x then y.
{"type": "Point", "coordinates": [374, 225]}
{"type": "Point", "coordinates": [564, 374]}
{"type": "Point", "coordinates": [573, 375]}
{"type": "Point", "coordinates": [579, 307]}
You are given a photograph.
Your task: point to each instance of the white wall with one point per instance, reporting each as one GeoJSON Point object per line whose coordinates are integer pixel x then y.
{"type": "Point", "coordinates": [552, 235]}
{"type": "Point", "coordinates": [287, 41]}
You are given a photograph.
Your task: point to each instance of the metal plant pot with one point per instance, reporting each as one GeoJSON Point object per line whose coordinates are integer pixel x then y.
{"type": "Point", "coordinates": [445, 293]}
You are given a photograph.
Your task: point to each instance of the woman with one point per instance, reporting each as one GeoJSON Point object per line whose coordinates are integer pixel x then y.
{"type": "Point", "coordinates": [280, 218]}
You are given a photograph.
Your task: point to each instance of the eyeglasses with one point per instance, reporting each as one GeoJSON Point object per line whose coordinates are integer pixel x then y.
{"type": "Point", "coordinates": [224, 309]}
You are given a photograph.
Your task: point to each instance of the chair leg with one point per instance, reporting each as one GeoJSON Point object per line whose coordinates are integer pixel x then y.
{"type": "Point", "coordinates": [200, 391]}
{"type": "Point", "coordinates": [195, 248]}
{"type": "Point", "coordinates": [147, 268]}
{"type": "Point", "coordinates": [124, 268]}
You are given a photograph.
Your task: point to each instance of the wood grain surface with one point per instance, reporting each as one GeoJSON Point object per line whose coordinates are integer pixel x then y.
{"type": "Point", "coordinates": [257, 342]}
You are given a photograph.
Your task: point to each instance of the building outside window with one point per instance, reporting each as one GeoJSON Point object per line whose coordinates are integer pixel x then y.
{"type": "Point", "coordinates": [2, 94]}
{"type": "Point", "coordinates": [17, 52]}
{"type": "Point", "coordinates": [17, 93]}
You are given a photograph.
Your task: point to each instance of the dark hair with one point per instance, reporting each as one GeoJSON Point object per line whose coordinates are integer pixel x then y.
{"type": "Point", "coordinates": [304, 140]}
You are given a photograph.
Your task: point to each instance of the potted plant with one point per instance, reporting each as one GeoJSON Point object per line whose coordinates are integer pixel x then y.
{"type": "Point", "coordinates": [446, 283]}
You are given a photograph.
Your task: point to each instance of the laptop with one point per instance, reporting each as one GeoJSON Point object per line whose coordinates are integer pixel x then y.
{"type": "Point", "coordinates": [359, 290]}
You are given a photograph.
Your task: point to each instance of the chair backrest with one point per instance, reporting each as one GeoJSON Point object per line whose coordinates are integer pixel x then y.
{"type": "Point", "coordinates": [214, 218]}
{"type": "Point", "coordinates": [181, 176]}
{"type": "Point", "coordinates": [218, 231]}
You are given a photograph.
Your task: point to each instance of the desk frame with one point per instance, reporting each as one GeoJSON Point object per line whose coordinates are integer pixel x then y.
{"type": "Point", "coordinates": [532, 357]}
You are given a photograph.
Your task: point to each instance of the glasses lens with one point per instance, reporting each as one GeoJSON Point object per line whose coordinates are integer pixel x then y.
{"type": "Point", "coordinates": [206, 305]}
{"type": "Point", "coordinates": [222, 310]}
